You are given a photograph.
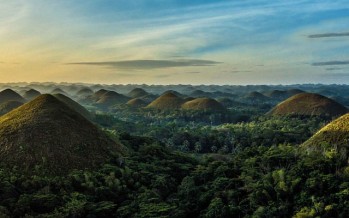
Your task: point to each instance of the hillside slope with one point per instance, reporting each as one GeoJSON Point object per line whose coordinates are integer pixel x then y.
{"type": "Point", "coordinates": [49, 133]}
{"type": "Point", "coordinates": [203, 104]}
{"type": "Point", "coordinates": [309, 104]}
{"type": "Point", "coordinates": [167, 101]}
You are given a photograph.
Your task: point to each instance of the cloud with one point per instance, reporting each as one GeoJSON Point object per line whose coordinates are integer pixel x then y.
{"type": "Point", "coordinates": [336, 75]}
{"type": "Point", "coordinates": [150, 64]}
{"type": "Point", "coordinates": [333, 68]}
{"type": "Point", "coordinates": [328, 35]}
{"type": "Point", "coordinates": [194, 72]}
{"type": "Point", "coordinates": [330, 63]}
{"type": "Point", "coordinates": [237, 71]}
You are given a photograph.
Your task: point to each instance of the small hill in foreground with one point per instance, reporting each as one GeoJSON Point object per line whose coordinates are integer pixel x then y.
{"type": "Point", "coordinates": [167, 101]}
{"type": "Point", "coordinates": [136, 103]}
{"type": "Point", "coordinates": [334, 135]}
{"type": "Point", "coordinates": [10, 95]}
{"type": "Point", "coordinates": [48, 133]}
{"type": "Point", "coordinates": [9, 106]}
{"type": "Point", "coordinates": [203, 104]}
{"type": "Point", "coordinates": [309, 104]}
{"type": "Point", "coordinates": [31, 94]}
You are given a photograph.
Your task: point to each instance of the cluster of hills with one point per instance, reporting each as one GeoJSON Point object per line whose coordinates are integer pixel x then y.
{"type": "Point", "coordinates": [289, 102]}
{"type": "Point", "coordinates": [56, 131]}
{"type": "Point", "coordinates": [61, 152]}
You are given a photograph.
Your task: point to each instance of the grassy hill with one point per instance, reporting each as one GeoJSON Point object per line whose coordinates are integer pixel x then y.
{"type": "Point", "coordinates": [9, 106]}
{"type": "Point", "coordinates": [167, 101]}
{"type": "Point", "coordinates": [309, 104]}
{"type": "Point", "coordinates": [31, 94]}
{"type": "Point", "coordinates": [137, 93]}
{"type": "Point", "coordinates": [334, 135]}
{"type": "Point", "coordinates": [111, 98]}
{"type": "Point", "coordinates": [136, 103]}
{"type": "Point", "coordinates": [97, 95]}
{"type": "Point", "coordinates": [10, 95]}
{"type": "Point", "coordinates": [48, 133]}
{"type": "Point", "coordinates": [84, 92]}
{"type": "Point", "coordinates": [58, 91]}
{"type": "Point", "coordinates": [278, 94]}
{"type": "Point", "coordinates": [255, 96]}
{"type": "Point", "coordinates": [203, 104]}
{"type": "Point", "coordinates": [74, 105]}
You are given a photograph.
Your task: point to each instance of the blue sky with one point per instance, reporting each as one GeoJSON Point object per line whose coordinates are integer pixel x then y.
{"type": "Point", "coordinates": [175, 41]}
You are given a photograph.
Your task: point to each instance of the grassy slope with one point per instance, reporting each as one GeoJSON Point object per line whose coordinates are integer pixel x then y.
{"type": "Point", "coordinates": [47, 132]}
{"type": "Point", "coordinates": [309, 104]}
{"type": "Point", "coordinates": [202, 104]}
{"type": "Point", "coordinates": [167, 101]}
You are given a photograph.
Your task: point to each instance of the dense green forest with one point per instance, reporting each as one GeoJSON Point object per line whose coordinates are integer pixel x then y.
{"type": "Point", "coordinates": [154, 181]}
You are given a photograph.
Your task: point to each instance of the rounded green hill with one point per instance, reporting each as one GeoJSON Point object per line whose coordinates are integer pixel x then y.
{"type": "Point", "coordinates": [203, 104]}
{"type": "Point", "coordinates": [10, 95]}
{"type": "Point", "coordinates": [46, 132]}
{"type": "Point", "coordinates": [309, 104]}
{"type": "Point", "coordinates": [74, 105]}
{"type": "Point", "coordinates": [111, 98]}
{"type": "Point", "coordinates": [167, 101]}
{"type": "Point", "coordinates": [136, 103]}
{"type": "Point", "coordinates": [84, 92]}
{"type": "Point", "coordinates": [9, 106]}
{"type": "Point", "coordinates": [334, 135]}
{"type": "Point", "coordinates": [137, 93]}
{"type": "Point", "coordinates": [31, 94]}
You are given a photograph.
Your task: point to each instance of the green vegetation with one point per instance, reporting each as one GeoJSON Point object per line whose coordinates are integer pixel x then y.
{"type": "Point", "coordinates": [153, 181]}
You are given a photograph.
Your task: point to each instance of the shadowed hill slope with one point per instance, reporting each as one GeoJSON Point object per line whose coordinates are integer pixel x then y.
{"type": "Point", "coordinates": [203, 104]}
{"type": "Point", "coordinates": [111, 98]}
{"type": "Point", "coordinates": [74, 105]}
{"type": "Point", "coordinates": [9, 106]}
{"type": "Point", "coordinates": [58, 91]}
{"type": "Point", "coordinates": [137, 93]}
{"type": "Point", "coordinates": [136, 103]}
{"type": "Point", "coordinates": [309, 104]}
{"type": "Point", "coordinates": [84, 92]}
{"type": "Point", "coordinates": [10, 95]}
{"type": "Point", "coordinates": [31, 94]}
{"type": "Point", "coordinates": [49, 133]}
{"type": "Point", "coordinates": [167, 101]}
{"type": "Point", "coordinates": [277, 94]}
{"type": "Point", "coordinates": [255, 96]}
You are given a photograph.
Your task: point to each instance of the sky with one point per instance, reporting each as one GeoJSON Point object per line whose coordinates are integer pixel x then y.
{"type": "Point", "coordinates": [175, 41]}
